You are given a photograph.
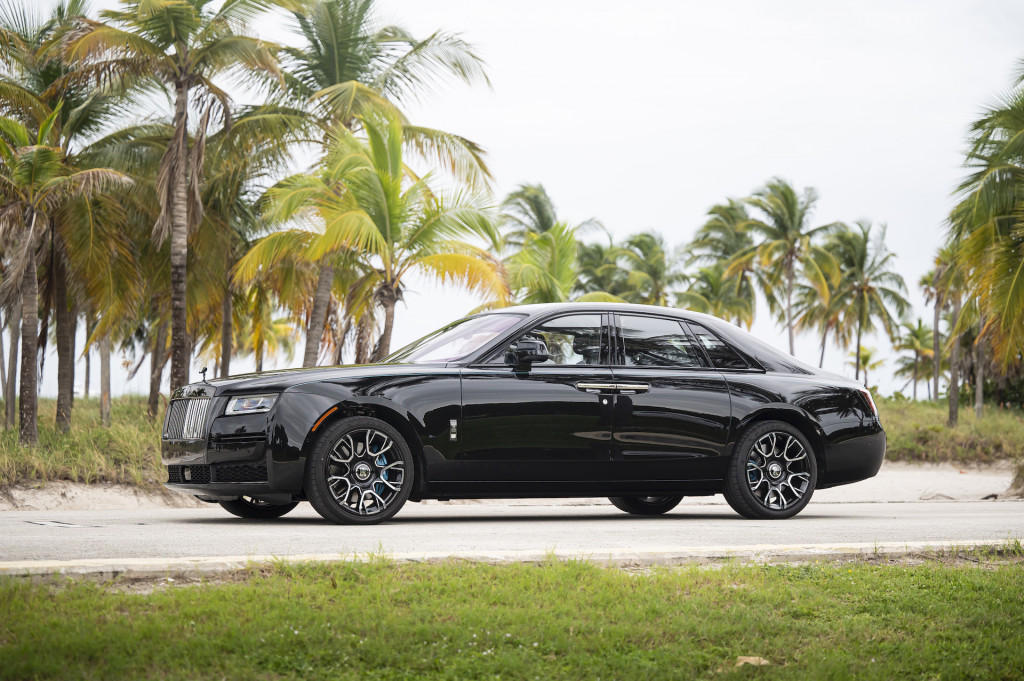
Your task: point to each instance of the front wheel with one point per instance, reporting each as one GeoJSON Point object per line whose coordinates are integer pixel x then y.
{"type": "Point", "coordinates": [772, 473]}
{"type": "Point", "coordinates": [360, 472]}
{"type": "Point", "coordinates": [646, 505]}
{"type": "Point", "coordinates": [256, 509]}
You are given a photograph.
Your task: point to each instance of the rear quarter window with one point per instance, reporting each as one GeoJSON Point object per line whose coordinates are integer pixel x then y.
{"type": "Point", "coordinates": [721, 354]}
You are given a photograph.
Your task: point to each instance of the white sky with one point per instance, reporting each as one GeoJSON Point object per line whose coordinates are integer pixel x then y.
{"type": "Point", "coordinates": [644, 115]}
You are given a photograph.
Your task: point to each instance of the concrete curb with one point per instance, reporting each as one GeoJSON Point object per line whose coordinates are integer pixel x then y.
{"type": "Point", "coordinates": [213, 566]}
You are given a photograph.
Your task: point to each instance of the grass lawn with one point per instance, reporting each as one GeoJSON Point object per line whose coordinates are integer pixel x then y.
{"type": "Point", "coordinates": [917, 431]}
{"type": "Point", "coordinates": [129, 451]}
{"type": "Point", "coordinates": [561, 620]}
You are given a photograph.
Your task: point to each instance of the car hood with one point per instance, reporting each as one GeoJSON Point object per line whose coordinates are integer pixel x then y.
{"type": "Point", "coordinates": [282, 379]}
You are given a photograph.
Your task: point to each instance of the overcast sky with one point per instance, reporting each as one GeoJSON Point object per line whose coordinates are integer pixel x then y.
{"type": "Point", "coordinates": [645, 114]}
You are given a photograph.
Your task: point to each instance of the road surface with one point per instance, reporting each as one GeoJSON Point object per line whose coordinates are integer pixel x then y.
{"type": "Point", "coordinates": [490, 531]}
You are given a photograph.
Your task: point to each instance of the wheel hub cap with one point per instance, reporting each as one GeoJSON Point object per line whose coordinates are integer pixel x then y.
{"type": "Point", "coordinates": [774, 470]}
{"type": "Point", "coordinates": [363, 472]}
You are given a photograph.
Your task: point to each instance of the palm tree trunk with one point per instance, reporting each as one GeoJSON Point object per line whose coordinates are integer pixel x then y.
{"type": "Point", "coordinates": [789, 303]}
{"type": "Point", "coordinates": [14, 323]}
{"type": "Point", "coordinates": [936, 347]}
{"type": "Point", "coordinates": [3, 364]}
{"type": "Point", "coordinates": [824, 335]}
{"type": "Point", "coordinates": [28, 433]}
{"type": "Point", "coordinates": [979, 370]}
{"type": "Point", "coordinates": [88, 370]}
{"type": "Point", "coordinates": [384, 343]}
{"type": "Point", "coordinates": [225, 333]}
{"type": "Point", "coordinates": [65, 323]}
{"type": "Point", "coordinates": [954, 368]}
{"type": "Point", "coordinates": [259, 357]}
{"type": "Point", "coordinates": [317, 319]}
{"type": "Point", "coordinates": [157, 359]}
{"type": "Point", "coordinates": [856, 358]}
{"type": "Point", "coordinates": [915, 375]}
{"type": "Point", "coordinates": [364, 333]}
{"type": "Point", "coordinates": [179, 245]}
{"type": "Point", "coordinates": [105, 381]}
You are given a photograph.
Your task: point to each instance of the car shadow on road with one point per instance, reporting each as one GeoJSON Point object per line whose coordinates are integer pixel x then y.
{"type": "Point", "coordinates": [511, 518]}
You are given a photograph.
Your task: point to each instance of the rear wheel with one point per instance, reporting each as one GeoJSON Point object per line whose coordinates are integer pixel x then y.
{"type": "Point", "coordinates": [773, 472]}
{"type": "Point", "coordinates": [646, 505]}
{"type": "Point", "coordinates": [360, 472]}
{"type": "Point", "coordinates": [251, 507]}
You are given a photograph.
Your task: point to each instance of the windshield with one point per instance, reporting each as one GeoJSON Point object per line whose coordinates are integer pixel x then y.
{"type": "Point", "coordinates": [457, 340]}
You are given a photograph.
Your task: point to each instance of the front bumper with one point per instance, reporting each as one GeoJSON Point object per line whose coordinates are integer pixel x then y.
{"type": "Point", "coordinates": [233, 459]}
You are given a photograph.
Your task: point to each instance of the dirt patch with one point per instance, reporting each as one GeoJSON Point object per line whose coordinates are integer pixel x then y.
{"type": "Point", "coordinates": [76, 496]}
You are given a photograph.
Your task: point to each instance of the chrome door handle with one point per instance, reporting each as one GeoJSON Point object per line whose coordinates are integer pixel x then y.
{"type": "Point", "coordinates": [588, 387]}
{"type": "Point", "coordinates": [625, 387]}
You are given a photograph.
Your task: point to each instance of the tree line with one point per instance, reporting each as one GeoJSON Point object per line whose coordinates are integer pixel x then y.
{"type": "Point", "coordinates": [145, 193]}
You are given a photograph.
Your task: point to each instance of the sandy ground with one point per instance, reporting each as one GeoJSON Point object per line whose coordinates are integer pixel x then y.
{"type": "Point", "coordinates": [896, 482]}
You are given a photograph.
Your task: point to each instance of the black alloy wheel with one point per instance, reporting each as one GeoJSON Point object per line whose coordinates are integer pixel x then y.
{"type": "Point", "coordinates": [773, 473]}
{"type": "Point", "coordinates": [646, 505]}
{"type": "Point", "coordinates": [360, 472]}
{"type": "Point", "coordinates": [256, 509]}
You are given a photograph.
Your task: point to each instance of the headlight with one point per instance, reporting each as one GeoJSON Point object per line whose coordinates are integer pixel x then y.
{"type": "Point", "coordinates": [250, 404]}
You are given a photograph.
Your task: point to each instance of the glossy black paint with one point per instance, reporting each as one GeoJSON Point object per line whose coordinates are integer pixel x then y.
{"type": "Point", "coordinates": [533, 431]}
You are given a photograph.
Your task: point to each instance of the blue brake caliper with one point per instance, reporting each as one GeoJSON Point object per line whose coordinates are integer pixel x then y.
{"type": "Point", "coordinates": [379, 487]}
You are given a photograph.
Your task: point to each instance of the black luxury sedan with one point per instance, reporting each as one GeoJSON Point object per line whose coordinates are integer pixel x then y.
{"type": "Point", "coordinates": [644, 405]}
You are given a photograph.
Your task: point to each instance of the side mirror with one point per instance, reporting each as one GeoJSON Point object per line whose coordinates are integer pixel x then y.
{"type": "Point", "coordinates": [525, 352]}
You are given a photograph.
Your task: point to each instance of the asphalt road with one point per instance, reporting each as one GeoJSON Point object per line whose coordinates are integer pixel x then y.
{"type": "Point", "coordinates": [496, 530]}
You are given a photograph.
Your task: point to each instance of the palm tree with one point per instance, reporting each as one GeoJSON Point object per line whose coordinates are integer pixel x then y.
{"type": "Point", "coordinates": [546, 270]}
{"type": "Point", "coordinates": [864, 358]}
{"type": "Point", "coordinates": [711, 292]}
{"type": "Point", "coordinates": [654, 271]}
{"type": "Point", "coordinates": [347, 65]}
{"type": "Point", "coordinates": [917, 340]}
{"type": "Point", "coordinates": [35, 183]}
{"type": "Point", "coordinates": [35, 82]}
{"type": "Point", "coordinates": [825, 314]}
{"type": "Point", "coordinates": [951, 286]}
{"type": "Point", "coordinates": [183, 46]}
{"type": "Point", "coordinates": [373, 210]}
{"type": "Point", "coordinates": [929, 283]}
{"type": "Point", "coordinates": [869, 287]}
{"type": "Point", "coordinates": [786, 251]}
{"type": "Point", "coordinates": [720, 239]}
{"type": "Point", "coordinates": [238, 160]}
{"type": "Point", "coordinates": [600, 268]}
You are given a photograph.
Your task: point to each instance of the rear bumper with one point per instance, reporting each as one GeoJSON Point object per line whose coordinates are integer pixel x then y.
{"type": "Point", "coordinates": [855, 458]}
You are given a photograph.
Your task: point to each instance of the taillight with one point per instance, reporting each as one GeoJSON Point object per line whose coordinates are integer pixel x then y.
{"type": "Point", "coordinates": [871, 401]}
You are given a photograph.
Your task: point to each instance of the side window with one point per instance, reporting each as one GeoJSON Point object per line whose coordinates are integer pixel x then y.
{"type": "Point", "coordinates": [573, 339]}
{"type": "Point", "coordinates": [654, 342]}
{"type": "Point", "coordinates": [722, 356]}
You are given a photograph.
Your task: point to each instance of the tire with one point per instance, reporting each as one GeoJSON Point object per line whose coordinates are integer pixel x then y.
{"type": "Point", "coordinates": [255, 509]}
{"type": "Point", "coordinates": [646, 505]}
{"type": "Point", "coordinates": [360, 472]}
{"type": "Point", "coordinates": [768, 478]}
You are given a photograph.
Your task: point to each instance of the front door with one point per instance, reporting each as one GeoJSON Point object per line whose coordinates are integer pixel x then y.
{"type": "Point", "coordinates": [672, 411]}
{"type": "Point", "coordinates": [551, 423]}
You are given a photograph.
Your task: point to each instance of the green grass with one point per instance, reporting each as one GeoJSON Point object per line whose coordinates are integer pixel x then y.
{"type": "Point", "coordinates": [917, 431]}
{"type": "Point", "coordinates": [127, 452]}
{"type": "Point", "coordinates": [562, 620]}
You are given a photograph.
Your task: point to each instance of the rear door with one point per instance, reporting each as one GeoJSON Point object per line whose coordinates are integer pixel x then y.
{"type": "Point", "coordinates": [672, 410]}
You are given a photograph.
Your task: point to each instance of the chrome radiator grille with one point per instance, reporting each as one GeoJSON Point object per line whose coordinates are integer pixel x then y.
{"type": "Point", "coordinates": [186, 419]}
